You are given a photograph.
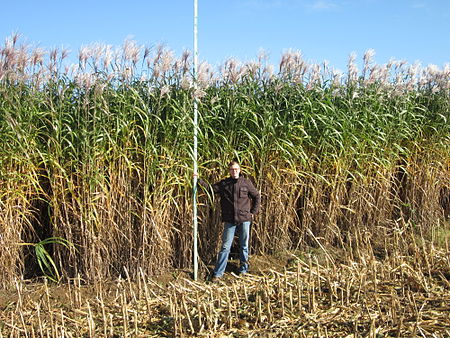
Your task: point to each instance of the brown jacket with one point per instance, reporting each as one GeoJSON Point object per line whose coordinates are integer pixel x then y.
{"type": "Point", "coordinates": [239, 199]}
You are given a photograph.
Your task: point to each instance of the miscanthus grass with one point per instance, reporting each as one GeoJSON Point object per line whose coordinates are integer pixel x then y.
{"type": "Point", "coordinates": [99, 153]}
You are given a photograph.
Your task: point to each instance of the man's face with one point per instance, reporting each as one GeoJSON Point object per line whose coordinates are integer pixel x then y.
{"type": "Point", "coordinates": [235, 170]}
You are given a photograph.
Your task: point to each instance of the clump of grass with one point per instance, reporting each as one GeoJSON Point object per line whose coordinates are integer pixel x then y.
{"type": "Point", "coordinates": [99, 153]}
{"type": "Point", "coordinates": [43, 257]}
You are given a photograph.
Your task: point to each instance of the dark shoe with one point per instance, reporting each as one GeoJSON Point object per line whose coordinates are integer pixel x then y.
{"type": "Point", "coordinates": [214, 279]}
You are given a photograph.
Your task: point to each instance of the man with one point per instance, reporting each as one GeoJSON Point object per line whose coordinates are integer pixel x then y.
{"type": "Point", "coordinates": [239, 201]}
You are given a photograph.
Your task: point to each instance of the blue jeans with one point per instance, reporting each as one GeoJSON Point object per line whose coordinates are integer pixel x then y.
{"type": "Point", "coordinates": [227, 239]}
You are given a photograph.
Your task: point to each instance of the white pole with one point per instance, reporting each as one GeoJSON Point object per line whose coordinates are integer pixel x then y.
{"type": "Point", "coordinates": [195, 223]}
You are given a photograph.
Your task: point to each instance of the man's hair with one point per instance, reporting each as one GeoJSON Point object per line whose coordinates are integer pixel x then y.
{"type": "Point", "coordinates": [232, 163]}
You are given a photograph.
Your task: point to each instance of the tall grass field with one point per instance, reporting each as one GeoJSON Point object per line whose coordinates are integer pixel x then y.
{"type": "Point", "coordinates": [353, 169]}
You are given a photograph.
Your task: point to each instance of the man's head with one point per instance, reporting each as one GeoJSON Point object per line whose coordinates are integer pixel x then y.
{"type": "Point", "coordinates": [234, 169]}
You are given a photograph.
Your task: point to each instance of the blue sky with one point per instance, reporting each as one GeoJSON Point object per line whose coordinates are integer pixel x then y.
{"type": "Point", "coordinates": [411, 30]}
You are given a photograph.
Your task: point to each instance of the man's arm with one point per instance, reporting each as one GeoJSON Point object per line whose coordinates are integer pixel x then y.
{"type": "Point", "coordinates": [205, 185]}
{"type": "Point", "coordinates": [256, 198]}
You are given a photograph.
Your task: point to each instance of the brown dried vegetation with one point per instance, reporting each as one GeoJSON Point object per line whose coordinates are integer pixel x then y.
{"type": "Point", "coordinates": [354, 176]}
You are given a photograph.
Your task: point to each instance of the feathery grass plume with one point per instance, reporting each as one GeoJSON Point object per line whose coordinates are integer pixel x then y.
{"type": "Point", "coordinates": [186, 82]}
{"type": "Point", "coordinates": [336, 77]}
{"type": "Point", "coordinates": [205, 75]}
{"type": "Point", "coordinates": [164, 90]}
{"type": "Point", "coordinates": [433, 78]}
{"type": "Point", "coordinates": [384, 73]}
{"type": "Point", "coordinates": [352, 70]}
{"type": "Point", "coordinates": [411, 78]}
{"type": "Point", "coordinates": [263, 56]}
{"type": "Point", "coordinates": [147, 51]}
{"type": "Point", "coordinates": [446, 77]}
{"type": "Point", "coordinates": [314, 77]}
{"type": "Point", "coordinates": [251, 69]}
{"type": "Point", "coordinates": [22, 59]}
{"type": "Point", "coordinates": [83, 56]}
{"type": "Point", "coordinates": [37, 58]}
{"type": "Point", "coordinates": [167, 60]}
{"type": "Point", "coordinates": [185, 62]}
{"type": "Point", "coordinates": [156, 62]}
{"type": "Point", "coordinates": [231, 71]}
{"type": "Point", "coordinates": [398, 81]}
{"type": "Point", "coordinates": [269, 72]}
{"type": "Point", "coordinates": [292, 66]}
{"type": "Point", "coordinates": [368, 61]}
{"type": "Point", "coordinates": [131, 51]}
{"type": "Point", "coordinates": [265, 70]}
{"type": "Point", "coordinates": [97, 53]}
